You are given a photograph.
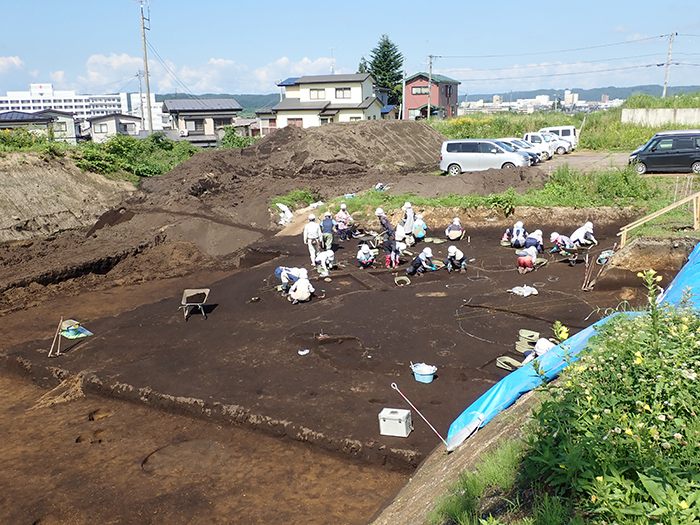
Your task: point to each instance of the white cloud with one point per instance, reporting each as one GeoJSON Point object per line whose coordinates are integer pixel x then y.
{"type": "Point", "coordinates": [8, 63]}
{"type": "Point", "coordinates": [58, 77]}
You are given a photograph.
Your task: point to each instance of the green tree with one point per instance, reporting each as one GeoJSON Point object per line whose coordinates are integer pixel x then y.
{"type": "Point", "coordinates": [363, 67]}
{"type": "Point", "coordinates": [386, 62]}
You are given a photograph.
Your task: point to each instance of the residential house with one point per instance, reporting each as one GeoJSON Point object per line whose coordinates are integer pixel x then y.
{"type": "Point", "coordinates": [315, 100]}
{"type": "Point", "coordinates": [390, 112]}
{"type": "Point", "coordinates": [63, 125]}
{"type": "Point", "coordinates": [106, 126]}
{"type": "Point", "coordinates": [197, 119]}
{"type": "Point", "coordinates": [19, 119]}
{"type": "Point", "coordinates": [268, 121]}
{"type": "Point", "coordinates": [441, 96]}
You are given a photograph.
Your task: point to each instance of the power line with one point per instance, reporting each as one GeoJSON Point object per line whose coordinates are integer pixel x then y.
{"type": "Point", "coordinates": [558, 50]}
{"type": "Point", "coordinates": [552, 75]}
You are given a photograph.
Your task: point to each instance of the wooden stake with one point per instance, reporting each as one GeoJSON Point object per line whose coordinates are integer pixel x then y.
{"type": "Point", "coordinates": [58, 331]}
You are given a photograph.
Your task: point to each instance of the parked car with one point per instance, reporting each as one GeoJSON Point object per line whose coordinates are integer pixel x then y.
{"type": "Point", "coordinates": [569, 133]}
{"type": "Point", "coordinates": [561, 146]}
{"type": "Point", "coordinates": [460, 155]}
{"type": "Point", "coordinates": [674, 151]}
{"type": "Point", "coordinates": [535, 157]}
{"type": "Point", "coordinates": [538, 140]}
{"type": "Point", "coordinates": [541, 151]}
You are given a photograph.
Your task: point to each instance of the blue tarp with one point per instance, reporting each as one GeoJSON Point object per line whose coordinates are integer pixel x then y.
{"type": "Point", "coordinates": [510, 388]}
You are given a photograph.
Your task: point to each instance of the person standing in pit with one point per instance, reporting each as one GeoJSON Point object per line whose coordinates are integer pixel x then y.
{"type": "Point", "coordinates": [328, 225]}
{"type": "Point", "coordinates": [391, 259]}
{"type": "Point", "coordinates": [313, 237]}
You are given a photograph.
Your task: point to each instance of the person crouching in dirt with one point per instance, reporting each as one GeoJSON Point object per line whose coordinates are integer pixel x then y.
{"type": "Point", "coordinates": [391, 259]}
{"type": "Point", "coordinates": [344, 220]}
{"type": "Point", "coordinates": [365, 257]}
{"type": "Point", "coordinates": [584, 236]}
{"type": "Point", "coordinates": [419, 228]}
{"type": "Point", "coordinates": [302, 290]}
{"type": "Point", "coordinates": [535, 239]}
{"type": "Point", "coordinates": [455, 259]}
{"type": "Point", "coordinates": [313, 237]}
{"type": "Point", "coordinates": [526, 260]}
{"type": "Point", "coordinates": [288, 276]}
{"type": "Point", "coordinates": [328, 226]}
{"type": "Point", "coordinates": [515, 236]}
{"type": "Point", "coordinates": [562, 243]}
{"type": "Point", "coordinates": [422, 263]}
{"type": "Point", "coordinates": [455, 231]}
{"type": "Point", "coordinates": [325, 260]}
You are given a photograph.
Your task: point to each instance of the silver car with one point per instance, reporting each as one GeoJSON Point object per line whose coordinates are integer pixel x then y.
{"type": "Point", "coordinates": [460, 155]}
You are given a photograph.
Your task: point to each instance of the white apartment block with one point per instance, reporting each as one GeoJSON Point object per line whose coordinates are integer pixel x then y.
{"type": "Point", "coordinates": [139, 108]}
{"type": "Point", "coordinates": [43, 96]}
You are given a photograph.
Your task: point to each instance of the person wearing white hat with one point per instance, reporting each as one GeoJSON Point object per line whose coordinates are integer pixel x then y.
{"type": "Point", "coordinates": [328, 226]}
{"type": "Point", "coordinates": [313, 237]}
{"type": "Point", "coordinates": [515, 236]}
{"type": "Point", "coordinates": [419, 228]}
{"type": "Point", "coordinates": [344, 220]}
{"type": "Point", "coordinates": [301, 290]}
{"type": "Point", "coordinates": [391, 256]}
{"type": "Point", "coordinates": [455, 231]}
{"type": "Point", "coordinates": [325, 260]}
{"type": "Point", "coordinates": [561, 242]}
{"type": "Point", "coordinates": [407, 223]}
{"type": "Point", "coordinates": [422, 262]}
{"type": "Point", "coordinates": [526, 259]}
{"type": "Point", "coordinates": [535, 239]}
{"type": "Point", "coordinates": [288, 276]}
{"type": "Point", "coordinates": [365, 257]}
{"type": "Point", "coordinates": [455, 259]}
{"type": "Point", "coordinates": [584, 235]}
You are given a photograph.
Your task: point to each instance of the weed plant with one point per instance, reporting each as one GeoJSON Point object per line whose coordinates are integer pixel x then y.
{"type": "Point", "coordinates": [620, 432]}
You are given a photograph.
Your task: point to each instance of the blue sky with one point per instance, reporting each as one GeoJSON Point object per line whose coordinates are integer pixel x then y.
{"type": "Point", "coordinates": [216, 46]}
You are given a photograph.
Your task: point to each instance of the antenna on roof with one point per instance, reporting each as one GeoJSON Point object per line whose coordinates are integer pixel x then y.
{"type": "Point", "coordinates": [332, 61]}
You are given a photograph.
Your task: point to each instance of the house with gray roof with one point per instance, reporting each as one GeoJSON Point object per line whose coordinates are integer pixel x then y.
{"type": "Point", "coordinates": [322, 99]}
{"type": "Point", "coordinates": [198, 119]}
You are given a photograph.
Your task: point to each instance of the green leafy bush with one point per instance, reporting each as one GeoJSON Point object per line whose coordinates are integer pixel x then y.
{"type": "Point", "coordinates": [621, 432]}
{"type": "Point", "coordinates": [233, 140]}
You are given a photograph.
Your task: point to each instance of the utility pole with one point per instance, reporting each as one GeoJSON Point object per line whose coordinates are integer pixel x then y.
{"type": "Point", "coordinates": [403, 92]}
{"type": "Point", "coordinates": [430, 83]}
{"type": "Point", "coordinates": [145, 68]}
{"type": "Point", "coordinates": [668, 65]}
{"type": "Point", "coordinates": [141, 98]}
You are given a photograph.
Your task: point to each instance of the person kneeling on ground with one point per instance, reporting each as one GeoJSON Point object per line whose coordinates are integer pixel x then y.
{"type": "Point", "coordinates": [515, 236]}
{"type": "Point", "coordinates": [301, 290]}
{"type": "Point", "coordinates": [326, 260]}
{"type": "Point", "coordinates": [584, 236]}
{"type": "Point", "coordinates": [526, 259]}
{"type": "Point", "coordinates": [344, 220]}
{"type": "Point", "coordinates": [419, 228]}
{"type": "Point", "coordinates": [288, 276]}
{"type": "Point", "coordinates": [455, 231]}
{"type": "Point", "coordinates": [542, 346]}
{"type": "Point", "coordinates": [535, 239]}
{"type": "Point", "coordinates": [561, 243]}
{"type": "Point", "coordinates": [421, 263]}
{"type": "Point", "coordinates": [365, 257]}
{"type": "Point", "coordinates": [455, 259]}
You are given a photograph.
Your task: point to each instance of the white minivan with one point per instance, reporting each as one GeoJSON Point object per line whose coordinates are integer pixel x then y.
{"type": "Point", "coordinates": [569, 133]}
{"type": "Point", "coordinates": [459, 155]}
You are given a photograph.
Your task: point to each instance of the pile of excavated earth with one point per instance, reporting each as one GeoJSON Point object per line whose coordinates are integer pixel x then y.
{"type": "Point", "coordinates": [317, 374]}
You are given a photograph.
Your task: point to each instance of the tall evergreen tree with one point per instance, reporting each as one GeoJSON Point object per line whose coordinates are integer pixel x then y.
{"type": "Point", "coordinates": [363, 67]}
{"type": "Point", "coordinates": [385, 65]}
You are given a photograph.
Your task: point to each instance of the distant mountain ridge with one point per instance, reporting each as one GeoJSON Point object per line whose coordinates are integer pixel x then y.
{"type": "Point", "coordinates": [590, 95]}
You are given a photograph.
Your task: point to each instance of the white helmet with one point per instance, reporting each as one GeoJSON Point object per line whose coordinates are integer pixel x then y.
{"type": "Point", "coordinates": [518, 224]}
{"type": "Point", "coordinates": [343, 206]}
{"type": "Point", "coordinates": [312, 217]}
{"type": "Point", "coordinates": [303, 274]}
{"type": "Point", "coordinates": [328, 214]}
{"type": "Point", "coordinates": [406, 205]}
{"type": "Point", "coordinates": [365, 248]}
{"type": "Point", "coordinates": [553, 237]}
{"type": "Point", "coordinates": [588, 226]}
{"type": "Point", "coordinates": [455, 220]}
{"type": "Point", "coordinates": [452, 250]}
{"type": "Point", "coordinates": [379, 212]}
{"type": "Point", "coordinates": [419, 216]}
{"type": "Point", "coordinates": [537, 234]}
{"type": "Point", "coordinates": [427, 252]}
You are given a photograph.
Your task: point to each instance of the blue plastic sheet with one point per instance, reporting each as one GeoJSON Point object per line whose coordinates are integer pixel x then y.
{"type": "Point", "coordinates": [510, 388]}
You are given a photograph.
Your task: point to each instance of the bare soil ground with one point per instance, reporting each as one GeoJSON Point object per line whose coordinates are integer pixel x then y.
{"type": "Point", "coordinates": [191, 445]}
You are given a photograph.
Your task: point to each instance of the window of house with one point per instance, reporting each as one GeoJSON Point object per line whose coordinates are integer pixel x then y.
{"type": "Point", "coordinates": [194, 125]}
{"type": "Point", "coordinates": [221, 122]}
{"type": "Point", "coordinates": [355, 119]}
{"type": "Point", "coordinates": [101, 128]}
{"type": "Point", "coordinates": [129, 127]}
{"type": "Point", "coordinates": [448, 90]}
{"type": "Point", "coordinates": [295, 122]}
{"type": "Point", "coordinates": [342, 92]}
{"type": "Point", "coordinates": [60, 126]}
{"type": "Point", "coordinates": [419, 90]}
{"type": "Point", "coordinates": [317, 94]}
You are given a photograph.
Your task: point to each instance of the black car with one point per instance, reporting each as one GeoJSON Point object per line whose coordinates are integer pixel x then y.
{"type": "Point", "coordinates": [674, 151]}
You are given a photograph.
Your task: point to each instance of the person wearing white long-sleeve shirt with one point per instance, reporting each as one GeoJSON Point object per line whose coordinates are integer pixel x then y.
{"type": "Point", "coordinates": [313, 237]}
{"type": "Point", "coordinates": [584, 235]}
{"type": "Point", "coordinates": [302, 289]}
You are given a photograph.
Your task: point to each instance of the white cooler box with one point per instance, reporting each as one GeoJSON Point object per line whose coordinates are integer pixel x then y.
{"type": "Point", "coordinates": [395, 422]}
